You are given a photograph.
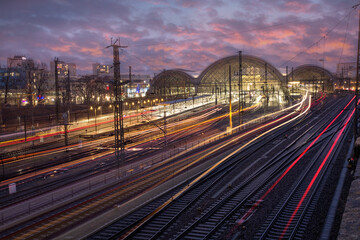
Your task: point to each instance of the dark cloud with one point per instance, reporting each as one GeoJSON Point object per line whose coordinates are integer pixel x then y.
{"type": "Point", "coordinates": [190, 34]}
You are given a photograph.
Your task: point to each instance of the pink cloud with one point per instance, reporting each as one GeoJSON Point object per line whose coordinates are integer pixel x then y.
{"type": "Point", "coordinates": [168, 34]}
{"type": "Point", "coordinates": [297, 7]}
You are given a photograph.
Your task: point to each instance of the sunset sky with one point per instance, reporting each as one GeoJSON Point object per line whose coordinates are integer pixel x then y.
{"type": "Point", "coordinates": [165, 34]}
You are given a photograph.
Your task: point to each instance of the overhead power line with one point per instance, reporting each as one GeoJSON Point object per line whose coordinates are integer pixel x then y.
{"type": "Point", "coordinates": [322, 38]}
{"type": "Point", "coordinates": [345, 38]}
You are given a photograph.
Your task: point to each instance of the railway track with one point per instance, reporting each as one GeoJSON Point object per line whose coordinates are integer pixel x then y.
{"type": "Point", "coordinates": [211, 214]}
{"type": "Point", "coordinates": [51, 226]}
{"type": "Point", "coordinates": [28, 193]}
{"type": "Point", "coordinates": [290, 219]}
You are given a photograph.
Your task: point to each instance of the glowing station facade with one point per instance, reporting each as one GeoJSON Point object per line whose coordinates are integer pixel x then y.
{"type": "Point", "coordinates": [257, 78]}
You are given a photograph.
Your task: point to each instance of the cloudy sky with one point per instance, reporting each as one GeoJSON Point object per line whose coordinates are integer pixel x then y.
{"type": "Point", "coordinates": [188, 34]}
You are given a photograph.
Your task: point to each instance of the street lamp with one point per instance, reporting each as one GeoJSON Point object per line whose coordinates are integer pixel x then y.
{"type": "Point", "coordinates": [95, 108]}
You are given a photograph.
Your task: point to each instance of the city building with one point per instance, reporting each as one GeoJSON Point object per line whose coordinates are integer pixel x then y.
{"type": "Point", "coordinates": [63, 69]}
{"type": "Point", "coordinates": [23, 82]}
{"type": "Point", "coordinates": [20, 62]}
{"type": "Point", "coordinates": [346, 69]}
{"type": "Point", "coordinates": [138, 86]}
{"type": "Point", "coordinates": [346, 73]}
{"type": "Point", "coordinates": [102, 70]}
{"type": "Point", "coordinates": [14, 78]}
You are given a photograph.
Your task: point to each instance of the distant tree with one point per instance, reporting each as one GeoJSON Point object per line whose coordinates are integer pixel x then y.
{"type": "Point", "coordinates": [42, 80]}
{"type": "Point", "coordinates": [91, 88]}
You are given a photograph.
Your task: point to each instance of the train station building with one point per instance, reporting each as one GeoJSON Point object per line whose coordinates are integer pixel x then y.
{"type": "Point", "coordinates": [255, 77]}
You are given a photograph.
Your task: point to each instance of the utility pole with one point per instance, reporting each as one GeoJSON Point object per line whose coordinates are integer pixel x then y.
{"type": "Point", "coordinates": [216, 90]}
{"type": "Point", "coordinates": [292, 77]}
{"type": "Point", "coordinates": [357, 81]}
{"type": "Point", "coordinates": [130, 74]}
{"type": "Point", "coordinates": [30, 74]}
{"type": "Point", "coordinates": [241, 101]}
{"type": "Point", "coordinates": [118, 104]}
{"type": "Point", "coordinates": [342, 77]}
{"type": "Point", "coordinates": [322, 74]}
{"type": "Point", "coordinates": [66, 114]}
{"type": "Point", "coordinates": [314, 86]}
{"type": "Point", "coordinates": [349, 82]}
{"type": "Point", "coordinates": [230, 111]}
{"type": "Point", "coordinates": [25, 127]}
{"type": "Point", "coordinates": [266, 87]}
{"type": "Point", "coordinates": [165, 127]}
{"type": "Point", "coordinates": [56, 60]}
{"type": "Point", "coordinates": [68, 97]}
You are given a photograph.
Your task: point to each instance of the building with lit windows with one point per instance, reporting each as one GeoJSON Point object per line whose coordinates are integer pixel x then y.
{"type": "Point", "coordinates": [20, 62]}
{"type": "Point", "coordinates": [22, 82]}
{"type": "Point", "coordinates": [346, 69]}
{"type": "Point", "coordinates": [102, 70]}
{"type": "Point", "coordinates": [138, 86]}
{"type": "Point", "coordinates": [259, 80]}
{"type": "Point", "coordinates": [13, 77]}
{"type": "Point", "coordinates": [63, 69]}
{"type": "Point", "coordinates": [346, 73]}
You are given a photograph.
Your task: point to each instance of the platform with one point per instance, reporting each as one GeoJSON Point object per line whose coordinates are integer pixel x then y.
{"type": "Point", "coordinates": [350, 223]}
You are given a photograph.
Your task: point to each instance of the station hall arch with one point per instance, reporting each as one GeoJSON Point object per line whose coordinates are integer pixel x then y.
{"type": "Point", "coordinates": [174, 83]}
{"type": "Point", "coordinates": [258, 77]}
{"type": "Point", "coordinates": [313, 77]}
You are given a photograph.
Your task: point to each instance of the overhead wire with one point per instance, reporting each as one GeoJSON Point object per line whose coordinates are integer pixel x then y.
{"type": "Point", "coordinates": [245, 31]}
{"type": "Point", "coordinates": [153, 67]}
{"type": "Point", "coordinates": [345, 38]}
{"type": "Point", "coordinates": [316, 43]}
{"type": "Point", "coordinates": [214, 35]}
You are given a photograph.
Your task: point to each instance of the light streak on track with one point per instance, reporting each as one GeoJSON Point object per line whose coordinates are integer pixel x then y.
{"type": "Point", "coordinates": [255, 205]}
{"type": "Point", "coordinates": [95, 142]}
{"type": "Point", "coordinates": [231, 140]}
{"type": "Point", "coordinates": [219, 162]}
{"type": "Point", "coordinates": [25, 177]}
{"type": "Point", "coordinates": [316, 175]}
{"type": "Point", "coordinates": [37, 137]}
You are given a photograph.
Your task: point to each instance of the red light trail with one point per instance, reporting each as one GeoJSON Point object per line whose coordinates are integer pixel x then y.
{"type": "Point", "coordinates": [255, 205]}
{"type": "Point", "coordinates": [29, 139]}
{"type": "Point", "coordinates": [316, 175]}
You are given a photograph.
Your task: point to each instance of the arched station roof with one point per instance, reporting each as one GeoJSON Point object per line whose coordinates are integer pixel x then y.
{"type": "Point", "coordinates": [171, 78]}
{"type": "Point", "coordinates": [309, 73]}
{"type": "Point", "coordinates": [248, 63]}
{"type": "Point", "coordinates": [257, 74]}
{"type": "Point", "coordinates": [308, 69]}
{"type": "Point", "coordinates": [173, 82]}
